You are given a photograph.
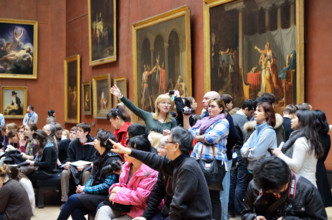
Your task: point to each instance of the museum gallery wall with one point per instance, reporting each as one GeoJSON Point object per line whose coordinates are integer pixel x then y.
{"type": "Point", "coordinates": [63, 31]}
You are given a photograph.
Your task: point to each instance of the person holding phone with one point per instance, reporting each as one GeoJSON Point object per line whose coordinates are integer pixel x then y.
{"type": "Point", "coordinates": [161, 121]}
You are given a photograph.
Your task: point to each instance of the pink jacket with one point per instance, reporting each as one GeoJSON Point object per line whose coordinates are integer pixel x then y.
{"type": "Point", "coordinates": [138, 189]}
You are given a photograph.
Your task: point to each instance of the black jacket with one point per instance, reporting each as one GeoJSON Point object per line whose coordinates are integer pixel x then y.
{"type": "Point", "coordinates": [163, 189]}
{"type": "Point", "coordinates": [307, 203]}
{"type": "Point", "coordinates": [191, 198]}
{"type": "Point", "coordinates": [233, 137]}
{"type": "Point", "coordinates": [321, 175]}
{"type": "Point", "coordinates": [77, 151]}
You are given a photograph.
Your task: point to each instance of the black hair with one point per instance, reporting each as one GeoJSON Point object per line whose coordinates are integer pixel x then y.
{"type": "Point", "coordinates": [104, 137]}
{"type": "Point", "coordinates": [31, 107]}
{"type": "Point", "coordinates": [227, 98]}
{"type": "Point", "coordinates": [183, 138]}
{"type": "Point", "coordinates": [271, 173]}
{"type": "Point", "coordinates": [50, 112]}
{"type": "Point", "coordinates": [85, 126]}
{"type": "Point", "coordinates": [113, 113]}
{"type": "Point", "coordinates": [267, 97]}
{"type": "Point", "coordinates": [140, 142]}
{"type": "Point", "coordinates": [137, 129]}
{"type": "Point", "coordinates": [321, 121]}
{"type": "Point", "coordinates": [309, 127]}
{"type": "Point", "coordinates": [249, 103]}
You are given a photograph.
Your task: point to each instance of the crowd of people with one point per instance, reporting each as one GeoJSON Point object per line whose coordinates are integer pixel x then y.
{"type": "Point", "coordinates": [269, 166]}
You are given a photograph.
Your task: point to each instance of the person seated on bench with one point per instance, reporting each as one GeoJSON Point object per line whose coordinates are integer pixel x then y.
{"type": "Point", "coordinates": [45, 163]}
{"type": "Point", "coordinates": [14, 203]}
{"type": "Point", "coordinates": [102, 177]}
{"type": "Point", "coordinates": [135, 185]}
{"type": "Point", "coordinates": [78, 150]}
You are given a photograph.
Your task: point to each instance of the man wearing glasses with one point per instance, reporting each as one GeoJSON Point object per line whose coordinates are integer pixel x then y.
{"type": "Point", "coordinates": [190, 194]}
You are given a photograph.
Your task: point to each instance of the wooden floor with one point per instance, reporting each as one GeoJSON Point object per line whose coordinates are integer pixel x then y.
{"type": "Point", "coordinates": [52, 209]}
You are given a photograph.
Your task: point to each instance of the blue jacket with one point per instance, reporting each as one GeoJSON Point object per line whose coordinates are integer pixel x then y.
{"type": "Point", "coordinates": [258, 144]}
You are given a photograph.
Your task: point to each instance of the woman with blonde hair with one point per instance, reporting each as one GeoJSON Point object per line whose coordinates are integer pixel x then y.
{"type": "Point", "coordinates": [161, 121]}
{"type": "Point", "coordinates": [14, 203]}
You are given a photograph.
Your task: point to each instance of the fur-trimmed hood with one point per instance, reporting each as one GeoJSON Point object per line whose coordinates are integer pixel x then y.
{"type": "Point", "coordinates": [279, 120]}
{"type": "Point", "coordinates": [251, 125]}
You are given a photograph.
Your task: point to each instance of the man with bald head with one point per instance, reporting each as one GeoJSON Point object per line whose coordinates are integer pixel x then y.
{"type": "Point", "coordinates": [206, 98]}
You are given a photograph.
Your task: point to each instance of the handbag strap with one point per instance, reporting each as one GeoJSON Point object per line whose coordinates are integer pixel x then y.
{"type": "Point", "coordinates": [214, 153]}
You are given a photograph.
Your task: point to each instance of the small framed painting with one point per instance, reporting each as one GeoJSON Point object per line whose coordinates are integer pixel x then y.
{"type": "Point", "coordinates": [86, 98]}
{"type": "Point", "coordinates": [14, 101]}
{"type": "Point", "coordinates": [102, 101]}
{"type": "Point", "coordinates": [121, 83]}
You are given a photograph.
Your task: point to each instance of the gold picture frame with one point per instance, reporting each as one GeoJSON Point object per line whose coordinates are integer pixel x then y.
{"type": "Point", "coordinates": [72, 89]}
{"type": "Point", "coordinates": [121, 83]}
{"type": "Point", "coordinates": [86, 98]}
{"type": "Point", "coordinates": [236, 34]}
{"type": "Point", "coordinates": [19, 40]}
{"type": "Point", "coordinates": [102, 31]}
{"type": "Point", "coordinates": [14, 109]}
{"type": "Point", "coordinates": [102, 98]}
{"type": "Point", "coordinates": [161, 56]}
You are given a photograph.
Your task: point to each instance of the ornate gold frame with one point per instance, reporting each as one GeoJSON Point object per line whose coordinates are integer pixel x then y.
{"type": "Point", "coordinates": [169, 15]}
{"type": "Point", "coordinates": [102, 114]}
{"type": "Point", "coordinates": [34, 24]}
{"type": "Point", "coordinates": [25, 101]}
{"type": "Point", "coordinates": [300, 76]}
{"type": "Point", "coordinates": [86, 86]}
{"type": "Point", "coordinates": [72, 75]}
{"type": "Point", "coordinates": [121, 82]}
{"type": "Point", "coordinates": [108, 58]}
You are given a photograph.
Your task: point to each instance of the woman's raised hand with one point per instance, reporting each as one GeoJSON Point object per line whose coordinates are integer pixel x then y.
{"type": "Point", "coordinates": [118, 148]}
{"type": "Point", "coordinates": [116, 91]}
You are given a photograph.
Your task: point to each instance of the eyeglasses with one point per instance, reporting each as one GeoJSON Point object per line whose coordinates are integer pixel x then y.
{"type": "Point", "coordinates": [165, 103]}
{"type": "Point", "coordinates": [170, 142]}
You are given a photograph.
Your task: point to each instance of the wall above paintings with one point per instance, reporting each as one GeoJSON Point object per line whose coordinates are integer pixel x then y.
{"type": "Point", "coordinates": [63, 32]}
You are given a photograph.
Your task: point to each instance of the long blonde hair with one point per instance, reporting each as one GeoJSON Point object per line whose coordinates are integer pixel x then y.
{"type": "Point", "coordinates": [160, 99]}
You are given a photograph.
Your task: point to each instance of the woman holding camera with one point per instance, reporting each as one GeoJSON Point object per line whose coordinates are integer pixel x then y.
{"type": "Point", "coordinates": [103, 176]}
{"type": "Point", "coordinates": [160, 121]}
{"type": "Point", "coordinates": [211, 135]}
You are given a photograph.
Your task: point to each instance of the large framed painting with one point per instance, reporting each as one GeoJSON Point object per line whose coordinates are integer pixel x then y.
{"type": "Point", "coordinates": [72, 89]}
{"type": "Point", "coordinates": [18, 48]}
{"type": "Point", "coordinates": [121, 83]}
{"type": "Point", "coordinates": [86, 98]}
{"type": "Point", "coordinates": [161, 56]}
{"type": "Point", "coordinates": [253, 47]}
{"type": "Point", "coordinates": [102, 101]}
{"type": "Point", "coordinates": [14, 101]}
{"type": "Point", "coordinates": [102, 31]}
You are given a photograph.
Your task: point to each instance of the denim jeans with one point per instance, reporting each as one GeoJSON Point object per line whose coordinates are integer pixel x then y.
{"type": "Point", "coordinates": [73, 207]}
{"type": "Point", "coordinates": [239, 182]}
{"type": "Point", "coordinates": [224, 195]}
